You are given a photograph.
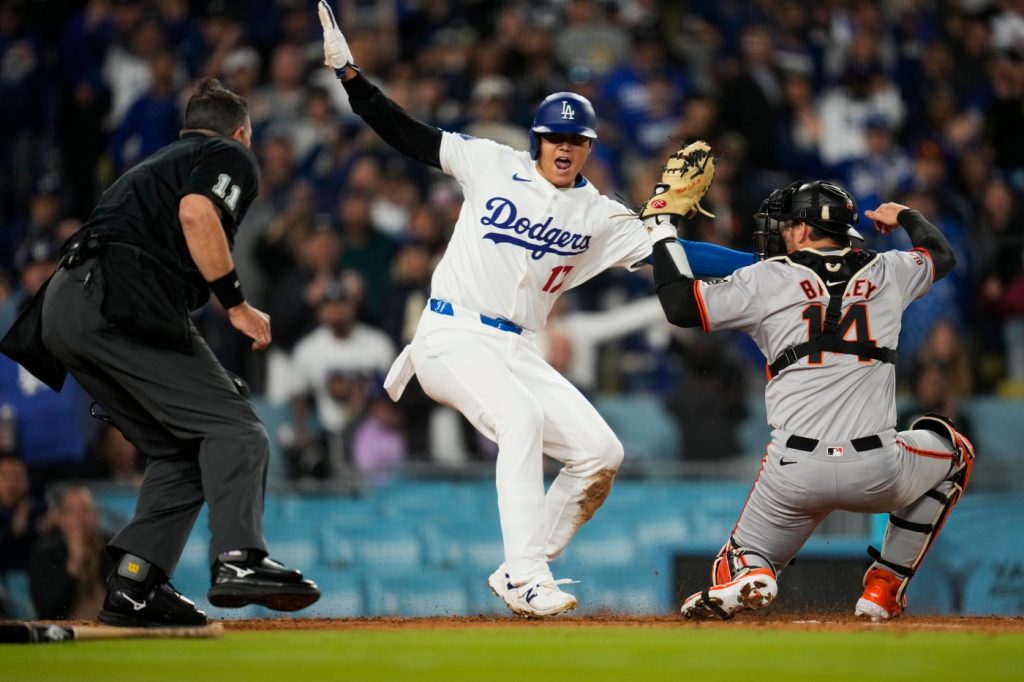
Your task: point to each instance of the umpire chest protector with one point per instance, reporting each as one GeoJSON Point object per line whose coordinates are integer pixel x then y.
{"type": "Point", "coordinates": [835, 270]}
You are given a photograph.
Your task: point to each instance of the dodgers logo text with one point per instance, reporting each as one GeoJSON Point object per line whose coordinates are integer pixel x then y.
{"type": "Point", "coordinates": [521, 231]}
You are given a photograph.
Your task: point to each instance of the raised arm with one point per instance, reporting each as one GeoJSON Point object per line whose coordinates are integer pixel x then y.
{"type": "Point", "coordinates": [923, 235]}
{"type": "Point", "coordinates": [415, 139]}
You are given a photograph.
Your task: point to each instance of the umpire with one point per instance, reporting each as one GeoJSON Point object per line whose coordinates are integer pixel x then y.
{"type": "Point", "coordinates": [116, 315]}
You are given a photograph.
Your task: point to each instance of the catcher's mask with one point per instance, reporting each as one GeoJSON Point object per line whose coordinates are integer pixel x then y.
{"type": "Point", "coordinates": [826, 206]}
{"type": "Point", "coordinates": [562, 112]}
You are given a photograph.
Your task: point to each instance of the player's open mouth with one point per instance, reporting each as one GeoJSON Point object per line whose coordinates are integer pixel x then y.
{"type": "Point", "coordinates": [562, 163]}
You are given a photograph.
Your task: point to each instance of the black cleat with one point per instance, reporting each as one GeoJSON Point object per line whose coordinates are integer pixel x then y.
{"type": "Point", "coordinates": [260, 581]}
{"type": "Point", "coordinates": [132, 604]}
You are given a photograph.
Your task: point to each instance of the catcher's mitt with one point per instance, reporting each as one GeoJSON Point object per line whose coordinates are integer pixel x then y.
{"type": "Point", "coordinates": [684, 180]}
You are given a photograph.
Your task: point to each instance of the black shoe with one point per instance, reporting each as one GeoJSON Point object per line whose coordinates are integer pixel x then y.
{"type": "Point", "coordinates": [131, 604]}
{"type": "Point", "coordinates": [259, 581]}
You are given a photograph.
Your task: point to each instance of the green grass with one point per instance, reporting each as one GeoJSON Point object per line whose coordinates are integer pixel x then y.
{"type": "Point", "coordinates": [533, 654]}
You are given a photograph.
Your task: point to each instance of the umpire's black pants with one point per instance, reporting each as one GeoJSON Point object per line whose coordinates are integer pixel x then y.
{"type": "Point", "coordinates": [203, 440]}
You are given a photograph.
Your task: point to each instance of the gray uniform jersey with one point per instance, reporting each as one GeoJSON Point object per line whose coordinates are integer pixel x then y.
{"type": "Point", "coordinates": [780, 304]}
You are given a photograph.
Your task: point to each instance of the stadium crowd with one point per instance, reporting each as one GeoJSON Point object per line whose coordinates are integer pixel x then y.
{"type": "Point", "coordinates": [913, 101]}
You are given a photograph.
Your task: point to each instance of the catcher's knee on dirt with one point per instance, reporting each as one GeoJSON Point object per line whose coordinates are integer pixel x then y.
{"type": "Point", "coordinates": [911, 531]}
{"type": "Point", "coordinates": [733, 562]}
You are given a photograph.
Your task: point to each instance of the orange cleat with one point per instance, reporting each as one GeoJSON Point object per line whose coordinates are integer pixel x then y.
{"type": "Point", "coordinates": [880, 601]}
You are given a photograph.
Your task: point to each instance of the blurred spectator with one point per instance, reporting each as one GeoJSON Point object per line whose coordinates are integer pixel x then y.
{"type": "Point", "coordinates": [800, 126]}
{"type": "Point", "coordinates": [204, 40]}
{"type": "Point", "coordinates": [645, 93]}
{"type": "Point", "coordinates": [365, 249]}
{"type": "Point", "coordinates": [1001, 237]}
{"type": "Point", "coordinates": [573, 338]}
{"type": "Point", "coordinates": [20, 515]}
{"type": "Point", "coordinates": [314, 134]}
{"type": "Point", "coordinates": [378, 441]}
{"type": "Point", "coordinates": [40, 224]}
{"type": "Point", "coordinates": [882, 172]}
{"type": "Point", "coordinates": [241, 71]}
{"type": "Point", "coordinates": [84, 100]}
{"type": "Point", "coordinates": [335, 365]}
{"type": "Point", "coordinates": [112, 458]}
{"type": "Point", "coordinates": [49, 433]}
{"type": "Point", "coordinates": [863, 94]}
{"type": "Point", "coordinates": [1002, 118]}
{"type": "Point", "coordinates": [710, 400]}
{"type": "Point", "coordinates": [589, 45]}
{"type": "Point", "coordinates": [24, 93]}
{"type": "Point", "coordinates": [138, 39]}
{"type": "Point", "coordinates": [489, 116]}
{"type": "Point", "coordinates": [751, 99]}
{"type": "Point", "coordinates": [152, 121]}
{"type": "Point", "coordinates": [276, 106]}
{"type": "Point", "coordinates": [69, 565]}
{"type": "Point", "coordinates": [944, 349]}
{"type": "Point", "coordinates": [294, 300]}
{"type": "Point", "coordinates": [934, 392]}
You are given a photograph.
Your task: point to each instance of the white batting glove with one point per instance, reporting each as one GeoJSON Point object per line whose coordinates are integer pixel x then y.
{"type": "Point", "coordinates": [336, 52]}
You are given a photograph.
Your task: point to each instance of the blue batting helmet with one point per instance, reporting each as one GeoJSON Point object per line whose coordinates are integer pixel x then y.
{"type": "Point", "coordinates": [563, 112]}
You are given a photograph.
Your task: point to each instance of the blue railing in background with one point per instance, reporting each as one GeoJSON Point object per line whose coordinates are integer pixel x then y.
{"type": "Point", "coordinates": [426, 548]}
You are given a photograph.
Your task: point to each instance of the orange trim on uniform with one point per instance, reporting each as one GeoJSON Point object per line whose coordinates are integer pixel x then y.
{"type": "Point", "coordinates": [925, 453]}
{"type": "Point", "coordinates": [702, 307]}
{"type": "Point", "coordinates": [927, 253]}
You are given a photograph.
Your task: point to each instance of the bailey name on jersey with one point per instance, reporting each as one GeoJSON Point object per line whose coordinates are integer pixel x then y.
{"type": "Point", "coordinates": [860, 288]}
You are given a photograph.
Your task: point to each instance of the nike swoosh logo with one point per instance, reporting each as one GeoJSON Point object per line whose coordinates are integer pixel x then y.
{"type": "Point", "coordinates": [829, 282]}
{"type": "Point", "coordinates": [241, 572]}
{"type": "Point", "coordinates": [515, 176]}
{"type": "Point", "coordinates": [784, 461]}
{"type": "Point", "coordinates": [138, 606]}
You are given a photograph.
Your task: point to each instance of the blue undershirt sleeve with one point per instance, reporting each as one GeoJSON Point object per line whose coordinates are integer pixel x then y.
{"type": "Point", "coordinates": [712, 260]}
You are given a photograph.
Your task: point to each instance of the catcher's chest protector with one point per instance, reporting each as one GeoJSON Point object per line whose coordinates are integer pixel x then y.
{"type": "Point", "coordinates": [836, 271]}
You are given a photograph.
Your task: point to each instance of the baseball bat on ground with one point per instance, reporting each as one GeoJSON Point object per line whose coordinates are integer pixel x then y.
{"type": "Point", "coordinates": [21, 632]}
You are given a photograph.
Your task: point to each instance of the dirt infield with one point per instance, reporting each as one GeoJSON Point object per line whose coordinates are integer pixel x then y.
{"type": "Point", "coordinates": [788, 621]}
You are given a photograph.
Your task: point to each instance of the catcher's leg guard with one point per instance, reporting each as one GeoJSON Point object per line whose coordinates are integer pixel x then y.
{"type": "Point", "coordinates": [732, 562]}
{"type": "Point", "coordinates": [911, 531]}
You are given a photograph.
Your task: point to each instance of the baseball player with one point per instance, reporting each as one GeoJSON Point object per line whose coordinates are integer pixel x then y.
{"type": "Point", "coordinates": [531, 227]}
{"type": "Point", "coordinates": [827, 317]}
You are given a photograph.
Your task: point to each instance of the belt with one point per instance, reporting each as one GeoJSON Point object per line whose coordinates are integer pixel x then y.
{"type": "Point", "coordinates": [445, 308]}
{"type": "Point", "coordinates": [810, 444]}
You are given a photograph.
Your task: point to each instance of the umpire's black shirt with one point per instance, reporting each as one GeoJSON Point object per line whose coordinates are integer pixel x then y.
{"type": "Point", "coordinates": [141, 207]}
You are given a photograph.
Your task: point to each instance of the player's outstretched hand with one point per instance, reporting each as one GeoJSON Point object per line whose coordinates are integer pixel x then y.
{"type": "Point", "coordinates": [252, 322]}
{"type": "Point", "coordinates": [336, 52]}
{"type": "Point", "coordinates": [884, 217]}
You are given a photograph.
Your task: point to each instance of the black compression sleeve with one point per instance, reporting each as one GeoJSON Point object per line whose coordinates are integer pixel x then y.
{"type": "Point", "coordinates": [926, 236]}
{"type": "Point", "coordinates": [413, 138]}
{"type": "Point", "coordinates": [675, 290]}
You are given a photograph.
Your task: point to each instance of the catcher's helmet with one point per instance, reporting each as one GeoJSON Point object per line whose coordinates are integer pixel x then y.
{"type": "Point", "coordinates": [563, 112]}
{"type": "Point", "coordinates": [826, 206]}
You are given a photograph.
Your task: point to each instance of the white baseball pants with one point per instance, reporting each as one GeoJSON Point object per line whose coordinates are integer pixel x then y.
{"type": "Point", "coordinates": [500, 382]}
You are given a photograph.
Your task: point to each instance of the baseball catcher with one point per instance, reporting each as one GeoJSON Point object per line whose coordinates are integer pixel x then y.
{"type": "Point", "coordinates": [827, 315]}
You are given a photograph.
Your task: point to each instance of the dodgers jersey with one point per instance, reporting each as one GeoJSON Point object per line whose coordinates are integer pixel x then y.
{"type": "Point", "coordinates": [520, 242]}
{"type": "Point", "coordinates": [779, 302]}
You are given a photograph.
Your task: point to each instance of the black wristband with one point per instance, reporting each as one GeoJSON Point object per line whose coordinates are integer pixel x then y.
{"type": "Point", "coordinates": [228, 290]}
